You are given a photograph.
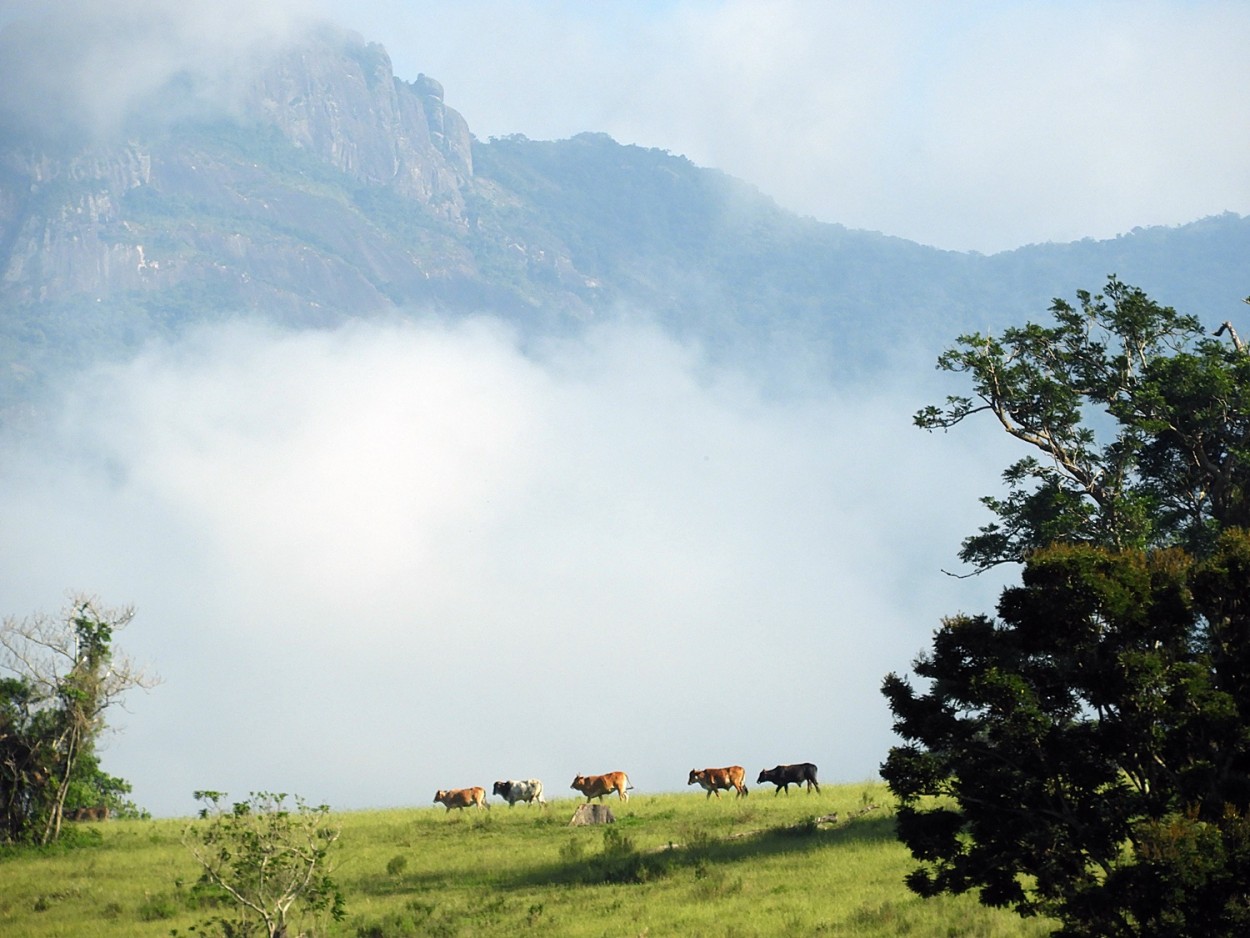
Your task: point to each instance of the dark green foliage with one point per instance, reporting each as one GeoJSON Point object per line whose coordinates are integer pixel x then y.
{"type": "Point", "coordinates": [396, 864]}
{"type": "Point", "coordinates": [419, 919]}
{"type": "Point", "coordinates": [1081, 748]}
{"type": "Point", "coordinates": [1086, 753]}
{"type": "Point", "coordinates": [158, 907]}
{"type": "Point", "coordinates": [620, 860]}
{"type": "Point", "coordinates": [25, 762]}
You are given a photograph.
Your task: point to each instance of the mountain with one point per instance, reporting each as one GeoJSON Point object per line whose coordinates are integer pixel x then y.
{"type": "Point", "coordinates": [309, 185]}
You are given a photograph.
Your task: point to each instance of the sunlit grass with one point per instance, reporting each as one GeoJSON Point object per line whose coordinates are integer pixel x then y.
{"type": "Point", "coordinates": [673, 864]}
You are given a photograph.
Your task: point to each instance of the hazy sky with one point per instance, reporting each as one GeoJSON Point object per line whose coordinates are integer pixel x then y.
{"type": "Point", "coordinates": [375, 562]}
{"type": "Point", "coordinates": [967, 125]}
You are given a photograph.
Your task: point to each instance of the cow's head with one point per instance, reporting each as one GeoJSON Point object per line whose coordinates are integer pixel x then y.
{"type": "Point", "coordinates": [579, 782]}
{"type": "Point", "coordinates": [501, 788]}
{"type": "Point", "coordinates": [440, 795]}
{"type": "Point", "coordinates": [695, 775]}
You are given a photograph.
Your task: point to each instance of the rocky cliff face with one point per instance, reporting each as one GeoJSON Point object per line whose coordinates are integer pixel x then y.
{"type": "Point", "coordinates": [305, 183]}
{"type": "Point", "coordinates": [340, 100]}
{"type": "Point", "coordinates": [250, 205]}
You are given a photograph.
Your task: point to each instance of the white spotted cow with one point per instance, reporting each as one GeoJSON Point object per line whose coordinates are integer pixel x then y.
{"type": "Point", "coordinates": [529, 790]}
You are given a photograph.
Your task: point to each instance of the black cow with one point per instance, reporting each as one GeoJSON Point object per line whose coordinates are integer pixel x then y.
{"type": "Point", "coordinates": [783, 776]}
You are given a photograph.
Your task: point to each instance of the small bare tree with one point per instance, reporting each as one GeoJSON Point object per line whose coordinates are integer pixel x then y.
{"type": "Point", "coordinates": [65, 675]}
{"type": "Point", "coordinates": [271, 861]}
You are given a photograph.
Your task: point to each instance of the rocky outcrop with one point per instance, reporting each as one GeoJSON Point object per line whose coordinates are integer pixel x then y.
{"type": "Point", "coordinates": [448, 129]}
{"type": "Point", "coordinates": [305, 182]}
{"type": "Point", "coordinates": [66, 235]}
{"type": "Point", "coordinates": [266, 203]}
{"type": "Point", "coordinates": [339, 99]}
{"type": "Point", "coordinates": [587, 814]}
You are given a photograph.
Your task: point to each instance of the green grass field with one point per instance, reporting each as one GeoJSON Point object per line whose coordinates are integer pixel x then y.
{"type": "Point", "coordinates": [672, 864]}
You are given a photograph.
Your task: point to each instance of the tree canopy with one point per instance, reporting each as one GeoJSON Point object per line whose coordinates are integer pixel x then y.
{"type": "Point", "coordinates": [58, 677]}
{"type": "Point", "coordinates": [1085, 754]}
{"type": "Point", "coordinates": [1137, 421]}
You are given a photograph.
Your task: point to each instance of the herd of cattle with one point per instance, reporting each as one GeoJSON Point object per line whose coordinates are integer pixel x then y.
{"type": "Point", "coordinates": [713, 781]}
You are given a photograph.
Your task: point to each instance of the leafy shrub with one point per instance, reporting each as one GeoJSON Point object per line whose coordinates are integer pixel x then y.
{"type": "Point", "coordinates": [699, 842]}
{"type": "Point", "coordinates": [272, 861]}
{"type": "Point", "coordinates": [417, 920]}
{"type": "Point", "coordinates": [154, 908]}
{"type": "Point", "coordinates": [621, 862]}
{"type": "Point", "coordinates": [713, 883]}
{"type": "Point", "coordinates": [572, 850]}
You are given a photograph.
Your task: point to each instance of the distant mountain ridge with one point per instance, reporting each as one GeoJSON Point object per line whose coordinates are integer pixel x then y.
{"type": "Point", "coordinates": [327, 189]}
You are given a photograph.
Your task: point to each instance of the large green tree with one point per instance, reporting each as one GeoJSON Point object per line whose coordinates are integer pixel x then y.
{"type": "Point", "coordinates": [1085, 754]}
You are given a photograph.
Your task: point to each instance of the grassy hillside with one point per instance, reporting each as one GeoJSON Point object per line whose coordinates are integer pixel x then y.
{"type": "Point", "coordinates": [673, 864]}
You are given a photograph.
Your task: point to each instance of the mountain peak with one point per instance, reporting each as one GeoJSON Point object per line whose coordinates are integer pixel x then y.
{"type": "Point", "coordinates": [337, 97]}
{"type": "Point", "coordinates": [207, 176]}
{"type": "Point", "coordinates": [297, 178]}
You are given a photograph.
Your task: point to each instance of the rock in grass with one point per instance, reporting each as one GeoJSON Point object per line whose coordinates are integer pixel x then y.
{"type": "Point", "coordinates": [592, 814]}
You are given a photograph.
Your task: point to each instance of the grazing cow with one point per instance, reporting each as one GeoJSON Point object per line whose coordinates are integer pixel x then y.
{"type": "Point", "coordinates": [98, 813]}
{"type": "Point", "coordinates": [461, 798]}
{"type": "Point", "coordinates": [512, 791]}
{"type": "Point", "coordinates": [783, 776]}
{"type": "Point", "coordinates": [731, 776]}
{"type": "Point", "coordinates": [596, 786]}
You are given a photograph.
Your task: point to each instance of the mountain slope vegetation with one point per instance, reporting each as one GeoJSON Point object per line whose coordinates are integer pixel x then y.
{"type": "Point", "coordinates": [323, 188]}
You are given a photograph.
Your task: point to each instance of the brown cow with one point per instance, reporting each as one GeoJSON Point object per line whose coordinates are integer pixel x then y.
{"type": "Point", "coordinates": [461, 798]}
{"type": "Point", "coordinates": [596, 786]}
{"type": "Point", "coordinates": [98, 813]}
{"type": "Point", "coordinates": [731, 776]}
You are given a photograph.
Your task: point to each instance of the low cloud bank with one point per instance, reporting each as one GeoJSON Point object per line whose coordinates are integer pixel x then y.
{"type": "Point", "coordinates": [378, 561]}
{"type": "Point", "coordinates": [79, 66]}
